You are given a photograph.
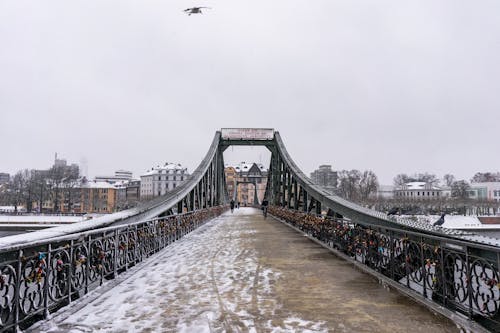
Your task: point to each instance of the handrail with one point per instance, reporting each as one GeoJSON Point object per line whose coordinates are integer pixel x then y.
{"type": "Point", "coordinates": [362, 214]}
{"type": "Point", "coordinates": [41, 277]}
{"type": "Point", "coordinates": [459, 276]}
{"type": "Point", "coordinates": [142, 212]}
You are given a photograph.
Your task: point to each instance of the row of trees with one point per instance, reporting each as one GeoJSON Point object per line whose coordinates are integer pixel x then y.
{"type": "Point", "coordinates": [361, 186]}
{"type": "Point", "coordinates": [36, 186]}
{"type": "Point", "coordinates": [357, 185]}
{"type": "Point", "coordinates": [437, 206]}
{"type": "Point", "coordinates": [448, 179]}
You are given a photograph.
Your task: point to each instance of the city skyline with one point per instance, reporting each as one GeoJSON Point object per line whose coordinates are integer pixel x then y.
{"type": "Point", "coordinates": [127, 85]}
{"type": "Point", "coordinates": [260, 155]}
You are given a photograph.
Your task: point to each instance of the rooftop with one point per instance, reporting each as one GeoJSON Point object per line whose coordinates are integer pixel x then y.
{"type": "Point", "coordinates": [245, 166]}
{"type": "Point", "coordinates": [165, 167]}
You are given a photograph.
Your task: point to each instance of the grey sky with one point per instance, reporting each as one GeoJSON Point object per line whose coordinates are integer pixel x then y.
{"type": "Point", "coordinates": [392, 86]}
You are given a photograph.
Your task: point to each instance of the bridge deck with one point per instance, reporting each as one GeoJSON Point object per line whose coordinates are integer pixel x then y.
{"type": "Point", "coordinates": [245, 274]}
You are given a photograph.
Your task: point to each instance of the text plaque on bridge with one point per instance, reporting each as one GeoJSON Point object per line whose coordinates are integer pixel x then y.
{"type": "Point", "coordinates": [247, 133]}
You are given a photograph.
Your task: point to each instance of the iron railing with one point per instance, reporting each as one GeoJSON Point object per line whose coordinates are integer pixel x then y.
{"type": "Point", "coordinates": [459, 275]}
{"type": "Point", "coordinates": [41, 277]}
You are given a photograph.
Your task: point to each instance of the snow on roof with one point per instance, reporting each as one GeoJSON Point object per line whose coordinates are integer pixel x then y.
{"type": "Point", "coordinates": [121, 183]}
{"type": "Point", "coordinates": [418, 186]}
{"type": "Point", "coordinates": [245, 166]}
{"type": "Point", "coordinates": [166, 167]}
{"type": "Point", "coordinates": [96, 184]}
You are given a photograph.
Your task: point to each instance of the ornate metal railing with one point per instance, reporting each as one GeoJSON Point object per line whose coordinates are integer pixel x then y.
{"type": "Point", "coordinates": [461, 276]}
{"type": "Point", "coordinates": [39, 278]}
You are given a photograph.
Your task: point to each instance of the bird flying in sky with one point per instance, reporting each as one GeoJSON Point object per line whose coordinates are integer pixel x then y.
{"type": "Point", "coordinates": [195, 10]}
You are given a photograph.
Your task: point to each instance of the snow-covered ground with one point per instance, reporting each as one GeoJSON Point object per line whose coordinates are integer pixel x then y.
{"type": "Point", "coordinates": [241, 273]}
{"type": "Point", "coordinates": [206, 282]}
{"type": "Point", "coordinates": [454, 221]}
{"type": "Point", "coordinates": [18, 219]}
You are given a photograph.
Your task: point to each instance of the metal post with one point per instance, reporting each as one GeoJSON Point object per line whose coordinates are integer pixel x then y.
{"type": "Point", "coordinates": [70, 270]}
{"type": "Point", "coordinates": [115, 267]}
{"type": "Point", "coordinates": [422, 262]}
{"type": "Point", "coordinates": [391, 253]}
{"type": "Point", "coordinates": [46, 285]}
{"type": "Point", "coordinates": [407, 269]}
{"type": "Point", "coordinates": [469, 282]}
{"type": "Point", "coordinates": [17, 297]}
{"type": "Point", "coordinates": [443, 275]}
{"type": "Point", "coordinates": [87, 264]}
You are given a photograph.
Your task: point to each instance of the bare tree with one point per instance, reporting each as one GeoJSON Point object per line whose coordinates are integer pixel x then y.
{"type": "Point", "coordinates": [348, 181]}
{"type": "Point", "coordinates": [16, 191]}
{"type": "Point", "coordinates": [368, 184]}
{"type": "Point", "coordinates": [357, 186]}
{"type": "Point", "coordinates": [401, 179]}
{"type": "Point", "coordinates": [448, 179]}
{"type": "Point", "coordinates": [56, 177]}
{"type": "Point", "coordinates": [483, 177]}
{"type": "Point", "coordinates": [460, 189]}
{"type": "Point", "coordinates": [426, 178]}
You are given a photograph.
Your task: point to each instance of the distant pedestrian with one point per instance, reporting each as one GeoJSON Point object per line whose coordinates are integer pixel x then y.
{"type": "Point", "coordinates": [265, 203]}
{"type": "Point", "coordinates": [232, 206]}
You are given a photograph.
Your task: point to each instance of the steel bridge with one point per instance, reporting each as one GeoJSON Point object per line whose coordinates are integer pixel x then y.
{"type": "Point", "coordinates": [455, 272]}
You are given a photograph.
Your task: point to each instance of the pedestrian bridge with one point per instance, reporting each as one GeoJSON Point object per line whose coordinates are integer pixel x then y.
{"type": "Point", "coordinates": [455, 273]}
{"type": "Point", "coordinates": [243, 273]}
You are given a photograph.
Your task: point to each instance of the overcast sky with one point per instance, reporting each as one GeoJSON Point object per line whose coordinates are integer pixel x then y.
{"type": "Point", "coordinates": [391, 86]}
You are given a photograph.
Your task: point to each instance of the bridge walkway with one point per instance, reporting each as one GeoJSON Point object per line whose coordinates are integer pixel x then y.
{"type": "Point", "coordinates": [241, 273]}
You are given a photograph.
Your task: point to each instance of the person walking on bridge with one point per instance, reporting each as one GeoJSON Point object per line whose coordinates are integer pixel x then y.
{"type": "Point", "coordinates": [232, 205]}
{"type": "Point", "coordinates": [265, 203]}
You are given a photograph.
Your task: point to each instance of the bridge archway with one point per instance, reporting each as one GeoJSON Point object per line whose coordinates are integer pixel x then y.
{"type": "Point", "coordinates": [255, 200]}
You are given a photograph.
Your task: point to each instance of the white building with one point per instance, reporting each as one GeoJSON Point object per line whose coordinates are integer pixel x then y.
{"type": "Point", "coordinates": [490, 190]}
{"type": "Point", "coordinates": [163, 178]}
{"type": "Point", "coordinates": [120, 175]}
{"type": "Point", "coordinates": [418, 190]}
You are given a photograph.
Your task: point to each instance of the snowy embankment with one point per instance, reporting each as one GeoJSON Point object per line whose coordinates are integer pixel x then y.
{"type": "Point", "coordinates": [454, 221]}
{"type": "Point", "coordinates": [41, 219]}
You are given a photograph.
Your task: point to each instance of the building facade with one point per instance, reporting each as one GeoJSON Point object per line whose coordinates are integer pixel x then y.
{"type": "Point", "coordinates": [489, 191]}
{"type": "Point", "coordinates": [231, 176]}
{"type": "Point", "coordinates": [98, 198]}
{"type": "Point", "coordinates": [162, 179]}
{"type": "Point", "coordinates": [325, 176]}
{"type": "Point", "coordinates": [120, 176]}
{"type": "Point", "coordinates": [418, 191]}
{"type": "Point", "coordinates": [133, 192]}
{"type": "Point", "coordinates": [4, 178]}
{"type": "Point", "coordinates": [245, 181]}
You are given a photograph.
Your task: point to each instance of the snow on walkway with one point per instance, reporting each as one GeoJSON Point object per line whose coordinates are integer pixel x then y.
{"type": "Point", "coordinates": [209, 281]}
{"type": "Point", "coordinates": [241, 273]}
